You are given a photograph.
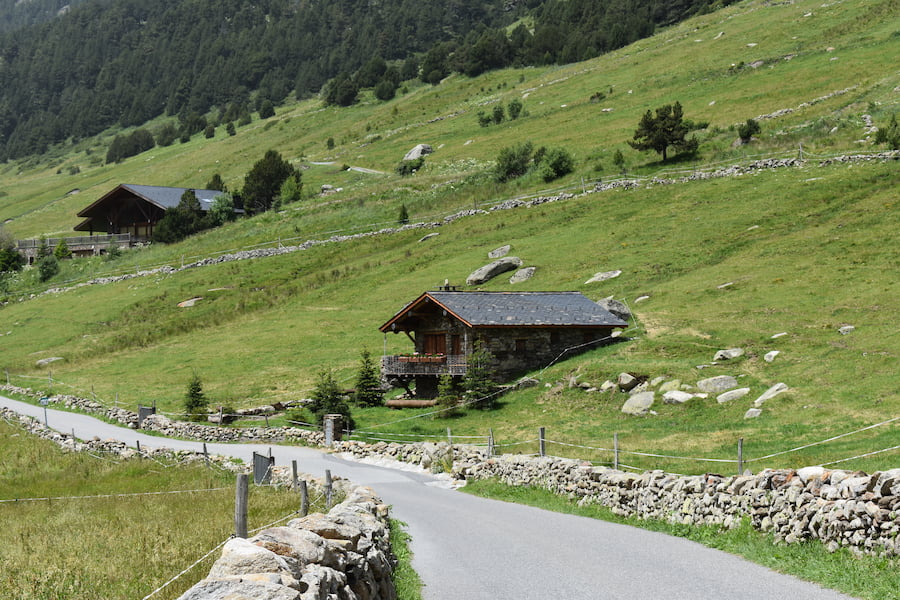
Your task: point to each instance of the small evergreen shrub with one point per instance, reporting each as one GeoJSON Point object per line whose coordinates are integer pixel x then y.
{"type": "Point", "coordinates": [195, 403]}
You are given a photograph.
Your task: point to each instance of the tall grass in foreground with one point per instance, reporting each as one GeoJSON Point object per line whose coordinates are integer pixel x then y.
{"type": "Point", "coordinates": [114, 547]}
{"type": "Point", "coordinates": [870, 577]}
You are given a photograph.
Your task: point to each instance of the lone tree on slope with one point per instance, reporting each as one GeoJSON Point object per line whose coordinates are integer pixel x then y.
{"type": "Point", "coordinates": [666, 129]}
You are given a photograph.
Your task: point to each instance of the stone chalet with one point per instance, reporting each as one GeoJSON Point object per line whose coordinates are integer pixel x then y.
{"type": "Point", "coordinates": [523, 330]}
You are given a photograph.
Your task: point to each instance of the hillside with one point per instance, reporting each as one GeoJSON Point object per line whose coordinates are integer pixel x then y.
{"type": "Point", "coordinates": [724, 262]}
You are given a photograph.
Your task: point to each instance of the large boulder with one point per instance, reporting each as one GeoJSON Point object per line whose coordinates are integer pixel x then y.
{"type": "Point", "coordinates": [729, 354]}
{"type": "Point", "coordinates": [676, 397]}
{"type": "Point", "coordinates": [499, 252]}
{"type": "Point", "coordinates": [522, 275]}
{"type": "Point", "coordinates": [718, 384]}
{"type": "Point", "coordinates": [732, 395]}
{"type": "Point", "coordinates": [770, 393]}
{"type": "Point", "coordinates": [616, 308]}
{"type": "Point", "coordinates": [418, 152]}
{"type": "Point", "coordinates": [603, 276]}
{"type": "Point", "coordinates": [638, 404]}
{"type": "Point", "coordinates": [491, 270]}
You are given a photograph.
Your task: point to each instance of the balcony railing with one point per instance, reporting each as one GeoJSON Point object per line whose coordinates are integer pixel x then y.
{"type": "Point", "coordinates": [424, 365]}
{"type": "Point", "coordinates": [102, 240]}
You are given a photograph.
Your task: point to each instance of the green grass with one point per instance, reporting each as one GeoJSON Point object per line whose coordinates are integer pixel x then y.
{"type": "Point", "coordinates": [406, 580]}
{"type": "Point", "coordinates": [806, 250]}
{"type": "Point", "coordinates": [869, 577]}
{"type": "Point", "coordinates": [140, 540]}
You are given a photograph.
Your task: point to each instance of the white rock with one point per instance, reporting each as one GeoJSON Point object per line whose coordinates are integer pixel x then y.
{"type": "Point", "coordinates": [807, 473]}
{"type": "Point", "coordinates": [778, 335]}
{"type": "Point", "coordinates": [752, 413]}
{"type": "Point", "coordinates": [770, 356]}
{"type": "Point", "coordinates": [641, 299]}
{"type": "Point", "coordinates": [499, 252]}
{"type": "Point", "coordinates": [676, 397]}
{"type": "Point", "coordinates": [718, 384]}
{"type": "Point", "coordinates": [639, 404]}
{"type": "Point", "coordinates": [729, 354]}
{"type": "Point", "coordinates": [603, 276]}
{"type": "Point", "coordinates": [770, 393]}
{"type": "Point", "coordinates": [732, 395]}
{"type": "Point", "coordinates": [846, 329]}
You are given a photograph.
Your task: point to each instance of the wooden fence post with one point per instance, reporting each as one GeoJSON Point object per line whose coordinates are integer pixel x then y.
{"type": "Point", "coordinates": [138, 443]}
{"type": "Point", "coordinates": [449, 437]}
{"type": "Point", "coordinates": [328, 490]}
{"type": "Point", "coordinates": [241, 498]}
{"type": "Point", "coordinates": [740, 456]}
{"type": "Point", "coordinates": [541, 439]}
{"type": "Point", "coordinates": [616, 451]}
{"type": "Point", "coordinates": [294, 475]}
{"type": "Point", "coordinates": [490, 443]}
{"type": "Point", "coordinates": [304, 498]}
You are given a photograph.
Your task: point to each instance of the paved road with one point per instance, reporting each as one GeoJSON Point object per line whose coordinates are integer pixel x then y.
{"type": "Point", "coordinates": [475, 549]}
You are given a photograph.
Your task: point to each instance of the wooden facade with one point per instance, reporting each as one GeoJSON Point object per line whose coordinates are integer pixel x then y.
{"type": "Point", "coordinates": [523, 331]}
{"type": "Point", "coordinates": [136, 209]}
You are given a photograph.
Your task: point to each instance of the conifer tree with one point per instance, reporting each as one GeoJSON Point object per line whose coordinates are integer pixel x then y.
{"type": "Point", "coordinates": [368, 383]}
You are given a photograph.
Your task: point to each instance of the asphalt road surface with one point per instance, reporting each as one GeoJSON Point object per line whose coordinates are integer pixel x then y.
{"type": "Point", "coordinates": [469, 548]}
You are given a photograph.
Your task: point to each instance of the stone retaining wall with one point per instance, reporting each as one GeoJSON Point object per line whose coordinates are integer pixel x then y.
{"type": "Point", "coordinates": [839, 508]}
{"type": "Point", "coordinates": [344, 555]}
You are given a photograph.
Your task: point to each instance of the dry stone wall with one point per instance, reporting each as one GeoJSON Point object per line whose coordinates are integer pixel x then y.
{"type": "Point", "coordinates": [344, 555]}
{"type": "Point", "coordinates": [839, 508]}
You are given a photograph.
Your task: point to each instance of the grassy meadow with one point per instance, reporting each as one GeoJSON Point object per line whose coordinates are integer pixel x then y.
{"type": "Point", "coordinates": [140, 534]}
{"type": "Point", "coordinates": [804, 251]}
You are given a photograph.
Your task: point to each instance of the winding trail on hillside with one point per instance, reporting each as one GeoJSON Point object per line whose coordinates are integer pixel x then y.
{"type": "Point", "coordinates": [471, 548]}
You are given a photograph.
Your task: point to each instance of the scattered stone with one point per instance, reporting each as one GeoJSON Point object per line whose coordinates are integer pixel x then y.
{"type": "Point", "coordinates": [429, 236]}
{"type": "Point", "coordinates": [522, 275]}
{"type": "Point", "coordinates": [778, 335]}
{"type": "Point", "coordinates": [491, 270]}
{"type": "Point", "coordinates": [770, 393]}
{"type": "Point", "coordinates": [643, 386]}
{"type": "Point", "coordinates": [641, 299]}
{"type": "Point", "coordinates": [603, 276]}
{"type": "Point", "coordinates": [732, 395]}
{"type": "Point", "coordinates": [46, 361]}
{"type": "Point", "coordinates": [674, 384]}
{"type": "Point", "coordinates": [656, 381]}
{"type": "Point", "coordinates": [846, 329]}
{"type": "Point", "coordinates": [718, 384]}
{"type": "Point", "coordinates": [729, 354]}
{"type": "Point", "coordinates": [724, 285]}
{"type": "Point", "coordinates": [752, 413]}
{"type": "Point", "coordinates": [499, 252]}
{"type": "Point", "coordinates": [418, 152]}
{"type": "Point", "coordinates": [616, 307]}
{"type": "Point", "coordinates": [191, 302]}
{"type": "Point", "coordinates": [676, 397]}
{"type": "Point", "coordinates": [607, 385]}
{"type": "Point", "coordinates": [770, 356]}
{"type": "Point", "coordinates": [638, 404]}
{"type": "Point", "coordinates": [629, 381]}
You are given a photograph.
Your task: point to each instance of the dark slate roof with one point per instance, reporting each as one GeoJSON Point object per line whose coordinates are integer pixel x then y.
{"type": "Point", "coordinates": [518, 309]}
{"type": "Point", "coordinates": [169, 197]}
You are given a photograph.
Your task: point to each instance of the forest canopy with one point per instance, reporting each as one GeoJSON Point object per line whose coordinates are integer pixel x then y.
{"type": "Point", "coordinates": [102, 63]}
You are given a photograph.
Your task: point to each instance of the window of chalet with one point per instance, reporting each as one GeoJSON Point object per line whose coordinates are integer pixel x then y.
{"type": "Point", "coordinates": [434, 343]}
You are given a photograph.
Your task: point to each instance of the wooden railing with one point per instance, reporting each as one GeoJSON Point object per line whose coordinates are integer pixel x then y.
{"type": "Point", "coordinates": [424, 365]}
{"type": "Point", "coordinates": [116, 238]}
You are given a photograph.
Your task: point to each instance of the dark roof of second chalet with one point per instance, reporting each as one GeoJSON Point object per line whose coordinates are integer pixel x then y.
{"type": "Point", "coordinates": [163, 197]}
{"type": "Point", "coordinates": [516, 309]}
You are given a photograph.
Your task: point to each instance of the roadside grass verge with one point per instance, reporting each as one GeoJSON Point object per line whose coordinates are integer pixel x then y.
{"type": "Point", "coordinates": [121, 547]}
{"type": "Point", "coordinates": [868, 577]}
{"type": "Point", "coordinates": [406, 580]}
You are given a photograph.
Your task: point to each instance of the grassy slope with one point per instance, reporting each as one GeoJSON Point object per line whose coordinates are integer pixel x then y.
{"type": "Point", "coordinates": [44, 543]}
{"type": "Point", "coordinates": [817, 259]}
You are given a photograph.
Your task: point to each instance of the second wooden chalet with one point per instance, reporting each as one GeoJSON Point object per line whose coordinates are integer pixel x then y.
{"type": "Point", "coordinates": [523, 331]}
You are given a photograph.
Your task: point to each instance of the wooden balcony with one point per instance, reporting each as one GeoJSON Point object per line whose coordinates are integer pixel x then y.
{"type": "Point", "coordinates": [423, 365]}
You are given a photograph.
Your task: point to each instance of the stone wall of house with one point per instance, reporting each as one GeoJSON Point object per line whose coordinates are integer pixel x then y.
{"type": "Point", "coordinates": [519, 349]}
